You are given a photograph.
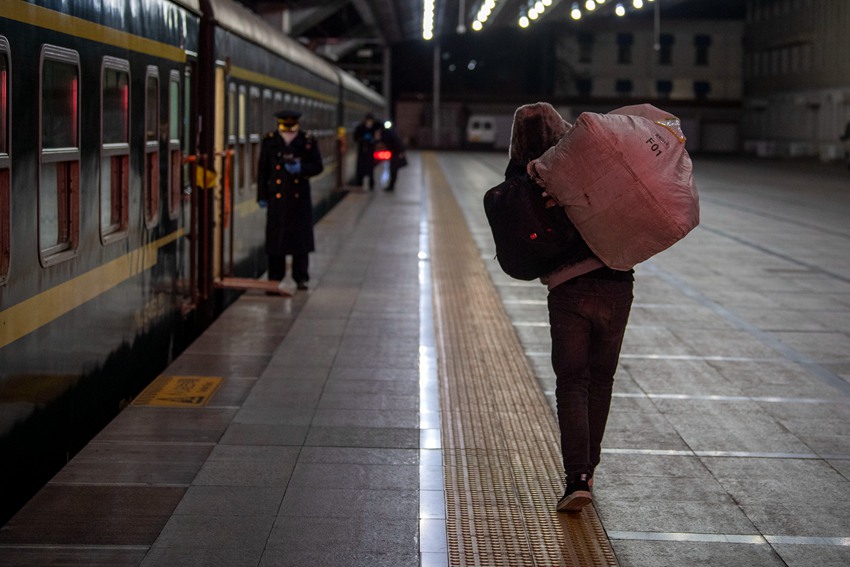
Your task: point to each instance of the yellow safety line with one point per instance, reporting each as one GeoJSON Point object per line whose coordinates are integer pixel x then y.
{"type": "Point", "coordinates": [501, 451]}
{"type": "Point", "coordinates": [39, 310]}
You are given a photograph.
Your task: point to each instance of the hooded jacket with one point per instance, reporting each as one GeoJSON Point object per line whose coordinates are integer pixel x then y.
{"type": "Point", "coordinates": [536, 128]}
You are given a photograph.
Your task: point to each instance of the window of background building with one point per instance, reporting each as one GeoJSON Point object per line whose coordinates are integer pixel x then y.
{"type": "Point", "coordinates": [115, 149]}
{"type": "Point", "coordinates": [624, 47]}
{"type": "Point", "coordinates": [585, 47]}
{"type": "Point", "coordinates": [151, 185]}
{"type": "Point", "coordinates": [665, 51]}
{"type": "Point", "coordinates": [701, 44]}
{"type": "Point", "coordinates": [664, 88]}
{"type": "Point", "coordinates": [5, 178]}
{"type": "Point", "coordinates": [584, 86]}
{"type": "Point", "coordinates": [59, 171]}
{"type": "Point", "coordinates": [623, 87]}
{"type": "Point", "coordinates": [702, 89]}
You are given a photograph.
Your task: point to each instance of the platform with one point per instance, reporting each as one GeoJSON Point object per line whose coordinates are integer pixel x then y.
{"type": "Point", "coordinates": [400, 412]}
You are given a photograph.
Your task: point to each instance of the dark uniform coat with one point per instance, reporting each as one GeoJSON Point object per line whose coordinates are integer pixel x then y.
{"type": "Point", "coordinates": [289, 220]}
{"type": "Point", "coordinates": [365, 137]}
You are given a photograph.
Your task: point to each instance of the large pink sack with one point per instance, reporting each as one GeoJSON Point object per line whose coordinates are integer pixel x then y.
{"type": "Point", "coordinates": [626, 182]}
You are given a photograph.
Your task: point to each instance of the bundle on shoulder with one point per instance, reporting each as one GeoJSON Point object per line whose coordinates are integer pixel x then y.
{"type": "Point", "coordinates": [626, 182]}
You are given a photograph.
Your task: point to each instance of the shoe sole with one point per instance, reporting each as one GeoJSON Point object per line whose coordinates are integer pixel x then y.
{"type": "Point", "coordinates": [575, 501]}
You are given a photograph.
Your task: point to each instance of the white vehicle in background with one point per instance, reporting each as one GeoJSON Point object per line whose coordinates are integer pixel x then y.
{"type": "Point", "coordinates": [481, 131]}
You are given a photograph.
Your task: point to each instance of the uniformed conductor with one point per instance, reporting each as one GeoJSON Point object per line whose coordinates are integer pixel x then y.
{"type": "Point", "coordinates": [288, 158]}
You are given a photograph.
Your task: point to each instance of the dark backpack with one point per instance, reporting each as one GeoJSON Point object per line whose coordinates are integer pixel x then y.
{"type": "Point", "coordinates": [531, 240]}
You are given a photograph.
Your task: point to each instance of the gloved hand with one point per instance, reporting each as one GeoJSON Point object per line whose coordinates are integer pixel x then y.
{"type": "Point", "coordinates": [262, 203]}
{"type": "Point", "coordinates": [293, 167]}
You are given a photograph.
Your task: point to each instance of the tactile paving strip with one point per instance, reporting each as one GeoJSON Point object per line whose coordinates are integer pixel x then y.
{"type": "Point", "coordinates": [500, 440]}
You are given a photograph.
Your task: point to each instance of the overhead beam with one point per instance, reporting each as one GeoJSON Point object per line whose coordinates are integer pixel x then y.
{"type": "Point", "coordinates": [316, 16]}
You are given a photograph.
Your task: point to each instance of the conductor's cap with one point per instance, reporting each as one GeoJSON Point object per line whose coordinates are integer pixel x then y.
{"type": "Point", "coordinates": [288, 116]}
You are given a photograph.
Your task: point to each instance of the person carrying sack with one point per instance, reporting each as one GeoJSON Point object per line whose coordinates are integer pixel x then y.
{"type": "Point", "coordinates": [589, 306]}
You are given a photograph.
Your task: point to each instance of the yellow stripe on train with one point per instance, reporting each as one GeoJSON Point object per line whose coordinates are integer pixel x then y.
{"type": "Point", "coordinates": [77, 27]}
{"type": "Point", "coordinates": [39, 310]}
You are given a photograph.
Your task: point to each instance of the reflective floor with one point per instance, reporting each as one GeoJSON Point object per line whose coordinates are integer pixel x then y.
{"type": "Point", "coordinates": [327, 440]}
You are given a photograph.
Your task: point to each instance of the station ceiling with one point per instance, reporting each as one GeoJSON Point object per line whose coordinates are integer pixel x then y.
{"type": "Point", "coordinates": [353, 33]}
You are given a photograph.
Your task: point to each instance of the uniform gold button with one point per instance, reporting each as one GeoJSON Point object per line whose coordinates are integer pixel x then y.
{"type": "Point", "coordinates": [277, 167]}
{"type": "Point", "coordinates": [297, 181]}
{"type": "Point", "coordinates": [277, 195]}
{"type": "Point", "coordinates": [278, 181]}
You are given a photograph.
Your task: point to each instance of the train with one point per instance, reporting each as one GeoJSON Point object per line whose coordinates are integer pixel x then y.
{"type": "Point", "coordinates": [129, 139]}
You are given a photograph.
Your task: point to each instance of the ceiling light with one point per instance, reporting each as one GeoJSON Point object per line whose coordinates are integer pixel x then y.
{"type": "Point", "coordinates": [428, 19]}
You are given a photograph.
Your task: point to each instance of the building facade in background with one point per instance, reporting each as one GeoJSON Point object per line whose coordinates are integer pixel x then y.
{"type": "Point", "coordinates": [796, 76]}
{"type": "Point", "coordinates": [690, 67]}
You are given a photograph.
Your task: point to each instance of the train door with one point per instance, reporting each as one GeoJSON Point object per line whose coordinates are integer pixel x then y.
{"type": "Point", "coordinates": [194, 177]}
{"type": "Point", "coordinates": [230, 176]}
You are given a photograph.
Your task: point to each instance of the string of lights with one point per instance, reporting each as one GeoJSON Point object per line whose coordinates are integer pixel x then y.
{"type": "Point", "coordinates": [531, 12]}
{"type": "Point", "coordinates": [590, 6]}
{"type": "Point", "coordinates": [484, 12]}
{"type": "Point", "coordinates": [428, 19]}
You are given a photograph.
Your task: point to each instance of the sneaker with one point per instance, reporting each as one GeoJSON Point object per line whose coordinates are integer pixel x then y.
{"type": "Point", "coordinates": [577, 494]}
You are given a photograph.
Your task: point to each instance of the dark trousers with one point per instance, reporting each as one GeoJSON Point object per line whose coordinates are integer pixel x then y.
{"type": "Point", "coordinates": [588, 321]}
{"type": "Point", "coordinates": [300, 267]}
{"type": "Point", "coordinates": [394, 167]}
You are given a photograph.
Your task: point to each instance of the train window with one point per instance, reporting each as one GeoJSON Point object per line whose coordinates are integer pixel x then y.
{"type": "Point", "coordinates": [242, 114]}
{"type": "Point", "coordinates": [115, 149]}
{"type": "Point", "coordinates": [5, 107]}
{"type": "Point", "coordinates": [266, 112]}
{"type": "Point", "coordinates": [254, 111]}
{"type": "Point", "coordinates": [59, 171]}
{"type": "Point", "coordinates": [241, 171]}
{"type": "Point", "coordinates": [4, 96]}
{"type": "Point", "coordinates": [151, 186]}
{"type": "Point", "coordinates": [231, 115]}
{"type": "Point", "coordinates": [256, 116]}
{"type": "Point", "coordinates": [174, 153]}
{"type": "Point", "coordinates": [187, 129]}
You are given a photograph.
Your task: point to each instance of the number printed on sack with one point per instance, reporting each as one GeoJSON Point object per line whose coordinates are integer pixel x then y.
{"type": "Point", "coordinates": [654, 146]}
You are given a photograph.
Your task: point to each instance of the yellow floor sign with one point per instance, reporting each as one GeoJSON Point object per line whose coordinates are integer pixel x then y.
{"type": "Point", "coordinates": [179, 391]}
